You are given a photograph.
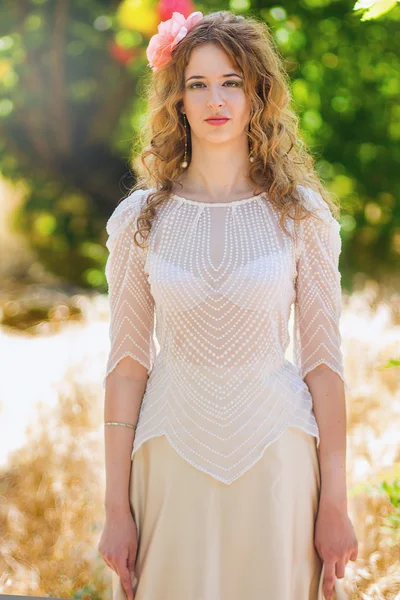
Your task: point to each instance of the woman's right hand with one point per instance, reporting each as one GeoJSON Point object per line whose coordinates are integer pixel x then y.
{"type": "Point", "coordinates": [118, 547]}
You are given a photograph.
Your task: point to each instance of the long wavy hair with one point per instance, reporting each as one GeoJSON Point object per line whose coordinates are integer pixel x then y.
{"type": "Point", "coordinates": [281, 159]}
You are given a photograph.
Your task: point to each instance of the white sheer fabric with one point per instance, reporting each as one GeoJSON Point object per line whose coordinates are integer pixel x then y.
{"type": "Point", "coordinates": [131, 303]}
{"type": "Point", "coordinates": [215, 288]}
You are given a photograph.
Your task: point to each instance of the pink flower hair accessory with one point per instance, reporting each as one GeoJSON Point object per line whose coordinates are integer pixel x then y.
{"type": "Point", "coordinates": [170, 33]}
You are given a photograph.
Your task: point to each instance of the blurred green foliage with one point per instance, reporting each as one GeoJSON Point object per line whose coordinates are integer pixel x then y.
{"type": "Point", "coordinates": [71, 110]}
{"type": "Point", "coordinates": [392, 489]}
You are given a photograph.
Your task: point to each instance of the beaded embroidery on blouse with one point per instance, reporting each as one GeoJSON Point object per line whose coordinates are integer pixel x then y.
{"type": "Point", "coordinates": [205, 308]}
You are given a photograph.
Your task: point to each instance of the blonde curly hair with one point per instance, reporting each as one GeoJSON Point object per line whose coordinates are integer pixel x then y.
{"type": "Point", "coordinates": [281, 160]}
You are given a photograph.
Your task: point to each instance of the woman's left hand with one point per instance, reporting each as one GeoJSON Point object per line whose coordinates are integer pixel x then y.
{"type": "Point", "coordinates": [335, 541]}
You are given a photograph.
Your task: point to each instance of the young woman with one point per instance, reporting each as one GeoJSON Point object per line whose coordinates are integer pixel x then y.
{"type": "Point", "coordinates": [225, 461]}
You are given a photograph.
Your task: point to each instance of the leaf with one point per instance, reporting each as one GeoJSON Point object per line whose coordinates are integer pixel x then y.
{"type": "Point", "coordinates": [378, 9]}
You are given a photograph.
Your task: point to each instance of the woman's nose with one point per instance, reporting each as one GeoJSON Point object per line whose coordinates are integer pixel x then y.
{"type": "Point", "coordinates": [215, 98]}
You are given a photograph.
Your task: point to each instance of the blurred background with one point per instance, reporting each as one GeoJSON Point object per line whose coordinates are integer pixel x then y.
{"type": "Point", "coordinates": [71, 112]}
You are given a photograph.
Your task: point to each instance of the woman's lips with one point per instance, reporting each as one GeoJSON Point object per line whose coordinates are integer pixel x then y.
{"type": "Point", "coordinates": [217, 121]}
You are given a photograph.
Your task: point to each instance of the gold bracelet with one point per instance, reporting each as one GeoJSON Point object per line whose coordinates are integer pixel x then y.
{"type": "Point", "coordinates": [118, 423]}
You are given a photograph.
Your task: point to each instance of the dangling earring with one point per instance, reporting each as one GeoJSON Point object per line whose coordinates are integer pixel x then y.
{"type": "Point", "coordinates": [251, 157]}
{"type": "Point", "coordinates": [185, 163]}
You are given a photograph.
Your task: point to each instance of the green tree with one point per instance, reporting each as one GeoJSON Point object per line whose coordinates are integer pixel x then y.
{"type": "Point", "coordinates": [71, 112]}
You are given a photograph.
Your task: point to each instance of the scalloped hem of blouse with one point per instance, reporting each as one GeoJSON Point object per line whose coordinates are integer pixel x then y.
{"type": "Point", "coordinates": [147, 366]}
{"type": "Point", "coordinates": [323, 362]}
{"type": "Point", "coordinates": [203, 469]}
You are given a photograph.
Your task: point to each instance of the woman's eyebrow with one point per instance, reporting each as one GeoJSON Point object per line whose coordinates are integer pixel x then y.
{"type": "Point", "coordinates": [202, 76]}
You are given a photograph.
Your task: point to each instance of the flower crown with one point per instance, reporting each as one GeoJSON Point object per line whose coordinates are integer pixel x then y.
{"type": "Point", "coordinates": [169, 34]}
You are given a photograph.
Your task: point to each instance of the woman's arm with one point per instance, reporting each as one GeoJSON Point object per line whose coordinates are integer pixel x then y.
{"type": "Point", "coordinates": [125, 387]}
{"type": "Point", "coordinates": [130, 361]}
{"type": "Point", "coordinates": [119, 541]}
{"type": "Point", "coordinates": [329, 406]}
{"type": "Point", "coordinates": [334, 537]}
{"type": "Point", "coordinates": [317, 340]}
{"type": "Point", "coordinates": [132, 348]}
{"type": "Point", "coordinates": [318, 356]}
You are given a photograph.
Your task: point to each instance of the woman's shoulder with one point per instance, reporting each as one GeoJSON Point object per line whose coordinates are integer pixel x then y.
{"type": "Point", "coordinates": [126, 211]}
{"type": "Point", "coordinates": [313, 202]}
{"type": "Point", "coordinates": [311, 199]}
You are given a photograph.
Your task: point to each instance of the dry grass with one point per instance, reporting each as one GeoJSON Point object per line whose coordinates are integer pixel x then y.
{"type": "Point", "coordinates": [52, 485]}
{"type": "Point", "coordinates": [371, 333]}
{"type": "Point", "coordinates": [52, 505]}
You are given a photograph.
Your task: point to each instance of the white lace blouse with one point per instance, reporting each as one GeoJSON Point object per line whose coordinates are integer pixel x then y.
{"type": "Point", "coordinates": [214, 288]}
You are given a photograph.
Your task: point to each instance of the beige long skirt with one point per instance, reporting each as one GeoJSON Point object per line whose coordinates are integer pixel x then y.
{"type": "Point", "coordinates": [200, 539]}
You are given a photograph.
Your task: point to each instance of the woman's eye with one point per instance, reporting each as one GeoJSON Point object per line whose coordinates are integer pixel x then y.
{"type": "Point", "coordinates": [235, 84]}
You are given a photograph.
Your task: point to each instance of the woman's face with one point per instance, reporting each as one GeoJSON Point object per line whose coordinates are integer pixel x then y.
{"type": "Point", "coordinates": [214, 92]}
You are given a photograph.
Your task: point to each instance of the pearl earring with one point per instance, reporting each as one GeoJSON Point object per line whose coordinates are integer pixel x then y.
{"type": "Point", "coordinates": [251, 157]}
{"type": "Point", "coordinates": [185, 163]}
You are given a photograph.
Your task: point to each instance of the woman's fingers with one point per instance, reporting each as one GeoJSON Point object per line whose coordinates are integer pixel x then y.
{"type": "Point", "coordinates": [340, 567]}
{"type": "Point", "coordinates": [354, 552]}
{"type": "Point", "coordinates": [126, 578]}
{"type": "Point", "coordinates": [118, 547]}
{"type": "Point", "coordinates": [329, 580]}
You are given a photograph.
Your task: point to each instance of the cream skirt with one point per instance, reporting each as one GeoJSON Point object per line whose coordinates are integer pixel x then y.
{"type": "Point", "coordinates": [200, 539]}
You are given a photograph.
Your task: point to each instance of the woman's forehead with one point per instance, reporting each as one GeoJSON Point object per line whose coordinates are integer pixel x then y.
{"type": "Point", "coordinates": [201, 67]}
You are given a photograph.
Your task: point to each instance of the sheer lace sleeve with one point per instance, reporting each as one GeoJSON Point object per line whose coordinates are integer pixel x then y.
{"type": "Point", "coordinates": [317, 307]}
{"type": "Point", "coordinates": [130, 301]}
